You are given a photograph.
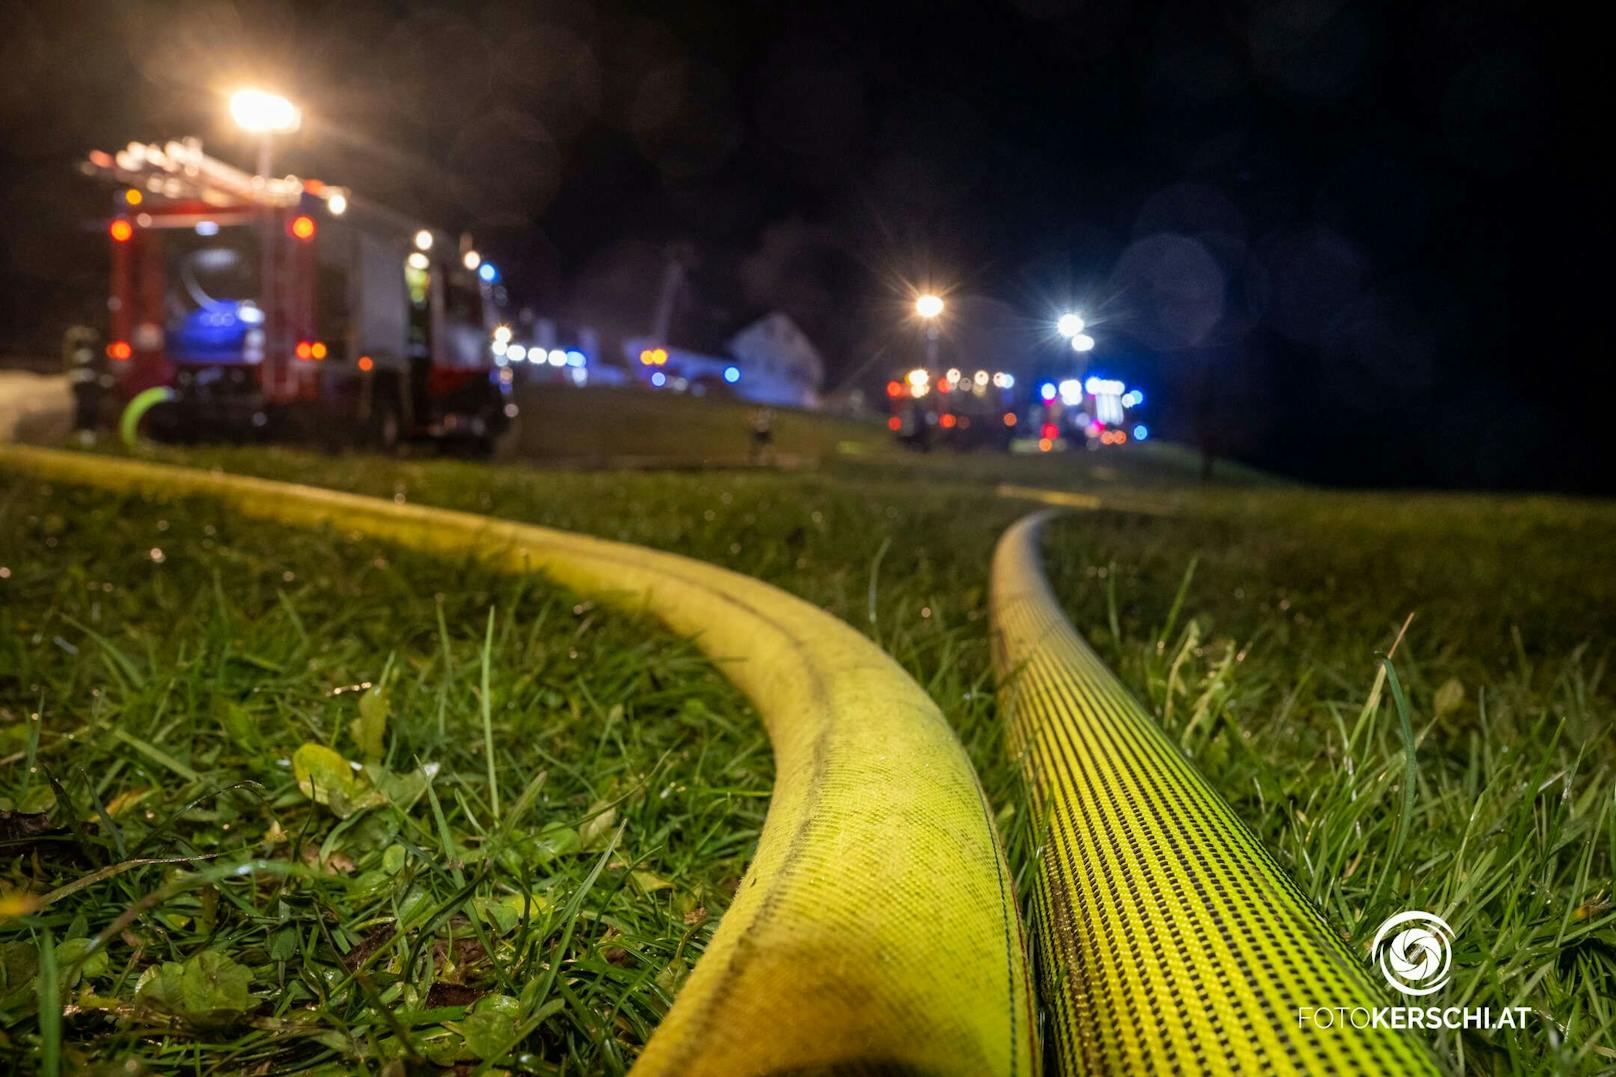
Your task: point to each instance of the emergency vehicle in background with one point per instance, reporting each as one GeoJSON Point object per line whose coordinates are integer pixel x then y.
{"type": "Point", "coordinates": [960, 410]}
{"type": "Point", "coordinates": [287, 306]}
{"type": "Point", "coordinates": [956, 409]}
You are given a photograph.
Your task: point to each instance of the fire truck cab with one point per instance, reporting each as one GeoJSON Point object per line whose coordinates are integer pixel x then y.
{"type": "Point", "coordinates": [283, 306]}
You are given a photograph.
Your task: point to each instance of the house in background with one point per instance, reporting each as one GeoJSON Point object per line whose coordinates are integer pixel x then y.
{"type": "Point", "coordinates": [778, 364]}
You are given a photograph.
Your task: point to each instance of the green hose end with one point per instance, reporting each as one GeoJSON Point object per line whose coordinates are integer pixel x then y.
{"type": "Point", "coordinates": [129, 425]}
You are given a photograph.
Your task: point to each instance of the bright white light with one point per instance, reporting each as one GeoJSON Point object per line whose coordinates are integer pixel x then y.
{"type": "Point", "coordinates": [1082, 343]}
{"type": "Point", "coordinates": [918, 378]}
{"type": "Point", "coordinates": [929, 306]}
{"type": "Point", "coordinates": [337, 204]}
{"type": "Point", "coordinates": [1132, 398]}
{"type": "Point", "coordinates": [472, 260]}
{"type": "Point", "coordinates": [1071, 392]}
{"type": "Point", "coordinates": [207, 228]}
{"type": "Point", "coordinates": [557, 357]}
{"type": "Point", "coordinates": [517, 352]}
{"type": "Point", "coordinates": [1047, 390]}
{"type": "Point", "coordinates": [1108, 409]}
{"type": "Point", "coordinates": [423, 240]}
{"type": "Point", "coordinates": [417, 260]}
{"type": "Point", "coordinates": [1070, 325]}
{"type": "Point", "coordinates": [1104, 386]}
{"type": "Point", "coordinates": [981, 377]}
{"type": "Point", "coordinates": [659, 379]}
{"type": "Point", "coordinates": [953, 374]}
{"type": "Point", "coordinates": [264, 113]}
{"type": "Point", "coordinates": [577, 358]}
{"type": "Point", "coordinates": [499, 348]}
{"type": "Point", "coordinates": [502, 333]}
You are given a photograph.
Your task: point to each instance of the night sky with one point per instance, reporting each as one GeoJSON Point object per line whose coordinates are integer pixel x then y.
{"type": "Point", "coordinates": [1357, 243]}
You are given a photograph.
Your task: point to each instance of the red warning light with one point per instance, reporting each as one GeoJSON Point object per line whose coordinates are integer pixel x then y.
{"type": "Point", "coordinates": [948, 422]}
{"type": "Point", "coordinates": [122, 230]}
{"type": "Point", "coordinates": [894, 423]}
{"type": "Point", "coordinates": [305, 350]}
{"type": "Point", "coordinates": [302, 227]}
{"type": "Point", "coordinates": [119, 350]}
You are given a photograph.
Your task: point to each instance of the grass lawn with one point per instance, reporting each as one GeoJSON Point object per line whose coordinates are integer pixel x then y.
{"type": "Point", "coordinates": [182, 693]}
{"type": "Point", "coordinates": [593, 425]}
{"type": "Point", "coordinates": [1252, 623]}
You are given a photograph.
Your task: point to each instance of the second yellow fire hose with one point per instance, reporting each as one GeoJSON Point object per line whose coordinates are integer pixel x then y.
{"type": "Point", "coordinates": [1166, 937]}
{"type": "Point", "coordinates": [875, 930]}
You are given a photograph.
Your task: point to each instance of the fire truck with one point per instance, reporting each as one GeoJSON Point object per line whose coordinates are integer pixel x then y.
{"type": "Point", "coordinates": [288, 307]}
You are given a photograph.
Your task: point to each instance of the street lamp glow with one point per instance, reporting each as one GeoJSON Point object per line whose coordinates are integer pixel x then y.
{"type": "Point", "coordinates": [423, 240]}
{"type": "Point", "coordinates": [1082, 342]}
{"type": "Point", "coordinates": [1070, 325]}
{"type": "Point", "coordinates": [472, 260]}
{"type": "Point", "coordinates": [337, 204]}
{"type": "Point", "coordinates": [264, 113]}
{"type": "Point", "coordinates": [929, 306]}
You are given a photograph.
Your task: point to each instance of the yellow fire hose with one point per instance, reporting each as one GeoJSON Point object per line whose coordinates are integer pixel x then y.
{"type": "Point", "coordinates": [1167, 938]}
{"type": "Point", "coordinates": [875, 928]}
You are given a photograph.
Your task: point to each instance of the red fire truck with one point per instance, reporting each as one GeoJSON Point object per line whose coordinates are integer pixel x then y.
{"type": "Point", "coordinates": [288, 306]}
